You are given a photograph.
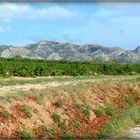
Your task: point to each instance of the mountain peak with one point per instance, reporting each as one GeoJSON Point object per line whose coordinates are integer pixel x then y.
{"type": "Point", "coordinates": [54, 50]}
{"type": "Point", "coordinates": [42, 42]}
{"type": "Point", "coordinates": [137, 49]}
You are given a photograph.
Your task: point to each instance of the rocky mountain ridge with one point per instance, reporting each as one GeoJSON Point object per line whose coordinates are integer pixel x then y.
{"type": "Point", "coordinates": [52, 50]}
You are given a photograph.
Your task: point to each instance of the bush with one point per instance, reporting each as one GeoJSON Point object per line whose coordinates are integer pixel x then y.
{"type": "Point", "coordinates": [59, 103]}
{"type": "Point", "coordinates": [45, 129]}
{"type": "Point", "coordinates": [86, 113]}
{"type": "Point", "coordinates": [24, 134]}
{"type": "Point", "coordinates": [84, 109]}
{"type": "Point", "coordinates": [64, 124]}
{"type": "Point", "coordinates": [68, 136]}
{"type": "Point", "coordinates": [87, 110]}
{"type": "Point", "coordinates": [102, 135]}
{"type": "Point", "coordinates": [88, 107]}
{"type": "Point", "coordinates": [56, 117]}
{"type": "Point", "coordinates": [77, 125]}
{"type": "Point", "coordinates": [4, 113]}
{"type": "Point", "coordinates": [130, 100]}
{"type": "Point", "coordinates": [110, 110]}
{"type": "Point", "coordinates": [27, 111]}
{"type": "Point", "coordinates": [136, 94]}
{"type": "Point", "coordinates": [100, 112]}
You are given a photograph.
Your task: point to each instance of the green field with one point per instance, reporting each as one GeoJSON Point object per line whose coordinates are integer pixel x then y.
{"type": "Point", "coordinates": [33, 68]}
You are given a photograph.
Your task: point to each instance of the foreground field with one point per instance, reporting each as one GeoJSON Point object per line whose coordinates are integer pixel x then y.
{"type": "Point", "coordinates": [67, 107]}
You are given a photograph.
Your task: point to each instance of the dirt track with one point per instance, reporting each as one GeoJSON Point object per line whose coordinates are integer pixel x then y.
{"type": "Point", "coordinates": [27, 87]}
{"type": "Point", "coordinates": [134, 133]}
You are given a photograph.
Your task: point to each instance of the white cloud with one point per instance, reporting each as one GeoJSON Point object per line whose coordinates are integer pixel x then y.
{"type": "Point", "coordinates": [10, 11]}
{"type": "Point", "coordinates": [116, 16]}
{"type": "Point", "coordinates": [113, 10]}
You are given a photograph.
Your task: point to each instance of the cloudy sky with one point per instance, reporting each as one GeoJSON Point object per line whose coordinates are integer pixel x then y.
{"type": "Point", "coordinates": [109, 24]}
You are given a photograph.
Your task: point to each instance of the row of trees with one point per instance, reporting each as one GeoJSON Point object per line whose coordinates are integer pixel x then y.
{"type": "Point", "coordinates": [30, 68]}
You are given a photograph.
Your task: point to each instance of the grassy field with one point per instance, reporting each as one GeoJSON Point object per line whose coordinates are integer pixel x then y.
{"type": "Point", "coordinates": [68, 107]}
{"type": "Point", "coordinates": [98, 78]}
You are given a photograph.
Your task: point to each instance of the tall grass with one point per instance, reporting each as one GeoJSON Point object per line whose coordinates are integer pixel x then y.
{"type": "Point", "coordinates": [128, 118]}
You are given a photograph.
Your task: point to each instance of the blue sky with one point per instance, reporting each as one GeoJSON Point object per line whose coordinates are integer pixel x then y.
{"type": "Point", "coordinates": [109, 24]}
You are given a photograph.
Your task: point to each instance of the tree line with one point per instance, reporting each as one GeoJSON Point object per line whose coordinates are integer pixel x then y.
{"type": "Point", "coordinates": [31, 68]}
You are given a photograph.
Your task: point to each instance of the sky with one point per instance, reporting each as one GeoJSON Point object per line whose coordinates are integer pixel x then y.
{"type": "Point", "coordinates": [109, 24]}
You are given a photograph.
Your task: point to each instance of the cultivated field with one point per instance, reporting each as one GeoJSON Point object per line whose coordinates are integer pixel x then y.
{"type": "Point", "coordinates": [69, 107]}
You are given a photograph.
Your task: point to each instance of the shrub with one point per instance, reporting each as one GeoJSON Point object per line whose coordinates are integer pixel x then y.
{"type": "Point", "coordinates": [68, 136]}
{"type": "Point", "coordinates": [130, 100]}
{"type": "Point", "coordinates": [59, 103]}
{"type": "Point", "coordinates": [84, 109]}
{"type": "Point", "coordinates": [45, 129]}
{"type": "Point", "coordinates": [88, 107]}
{"type": "Point", "coordinates": [56, 117]}
{"type": "Point", "coordinates": [110, 110]}
{"type": "Point", "coordinates": [136, 94]}
{"type": "Point", "coordinates": [64, 124]}
{"type": "Point", "coordinates": [100, 112]}
{"type": "Point", "coordinates": [66, 109]}
{"type": "Point", "coordinates": [102, 135]}
{"type": "Point", "coordinates": [79, 107]}
{"type": "Point", "coordinates": [27, 111]}
{"type": "Point", "coordinates": [77, 125]}
{"type": "Point", "coordinates": [24, 134]}
{"type": "Point", "coordinates": [4, 113]}
{"type": "Point", "coordinates": [87, 110]}
{"type": "Point", "coordinates": [52, 133]}
{"type": "Point", "coordinates": [86, 113]}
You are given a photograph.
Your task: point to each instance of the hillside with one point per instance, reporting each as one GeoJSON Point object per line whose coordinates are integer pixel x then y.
{"type": "Point", "coordinates": [82, 107]}
{"type": "Point", "coordinates": [51, 50]}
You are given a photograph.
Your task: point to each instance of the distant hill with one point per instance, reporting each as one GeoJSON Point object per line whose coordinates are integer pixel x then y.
{"type": "Point", "coordinates": [52, 50]}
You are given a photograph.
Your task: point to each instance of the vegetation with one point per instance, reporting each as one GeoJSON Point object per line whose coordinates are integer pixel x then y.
{"type": "Point", "coordinates": [83, 110]}
{"type": "Point", "coordinates": [69, 137]}
{"type": "Point", "coordinates": [100, 112]}
{"type": "Point", "coordinates": [64, 124]}
{"type": "Point", "coordinates": [59, 103]}
{"type": "Point", "coordinates": [4, 113]}
{"type": "Point", "coordinates": [77, 125]}
{"type": "Point", "coordinates": [45, 129]}
{"type": "Point", "coordinates": [56, 117]}
{"type": "Point", "coordinates": [128, 118]}
{"type": "Point", "coordinates": [110, 110]}
{"type": "Point", "coordinates": [26, 134]}
{"type": "Point", "coordinates": [33, 68]}
{"type": "Point", "coordinates": [130, 100]}
{"type": "Point", "coordinates": [27, 111]}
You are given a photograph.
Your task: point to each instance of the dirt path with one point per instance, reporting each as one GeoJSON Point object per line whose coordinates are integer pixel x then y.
{"type": "Point", "coordinates": [134, 133]}
{"type": "Point", "coordinates": [27, 87]}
